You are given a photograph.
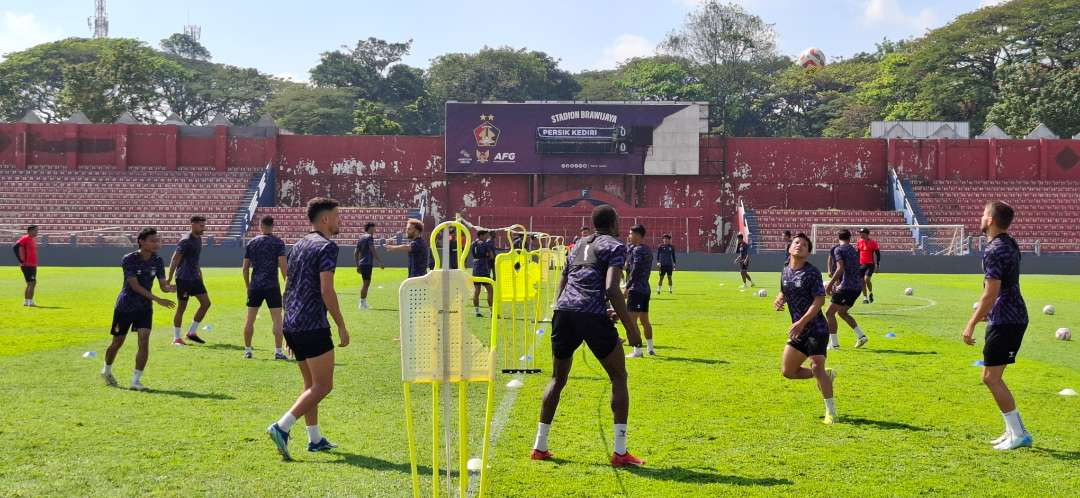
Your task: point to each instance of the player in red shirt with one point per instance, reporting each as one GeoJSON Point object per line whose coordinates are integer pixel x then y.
{"type": "Point", "coordinates": [869, 260]}
{"type": "Point", "coordinates": [26, 251]}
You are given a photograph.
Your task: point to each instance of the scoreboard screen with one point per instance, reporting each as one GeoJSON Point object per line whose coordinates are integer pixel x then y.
{"type": "Point", "coordinates": [588, 140]}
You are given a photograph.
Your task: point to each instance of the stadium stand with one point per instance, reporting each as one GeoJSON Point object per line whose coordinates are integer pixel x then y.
{"type": "Point", "coordinates": [108, 206]}
{"type": "Point", "coordinates": [1048, 212]}
{"type": "Point", "coordinates": [291, 223]}
{"type": "Point", "coordinates": [768, 234]}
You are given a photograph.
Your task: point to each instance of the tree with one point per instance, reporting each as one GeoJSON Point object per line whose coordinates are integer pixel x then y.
{"type": "Point", "coordinates": [404, 84]}
{"type": "Point", "coordinates": [183, 45]}
{"type": "Point", "coordinates": [359, 67]}
{"type": "Point", "coordinates": [660, 78]}
{"type": "Point", "coordinates": [1031, 94]}
{"type": "Point", "coordinates": [370, 118]}
{"type": "Point", "coordinates": [123, 78]}
{"type": "Point", "coordinates": [35, 77]}
{"type": "Point", "coordinates": [312, 110]}
{"type": "Point", "coordinates": [199, 91]}
{"type": "Point", "coordinates": [599, 86]}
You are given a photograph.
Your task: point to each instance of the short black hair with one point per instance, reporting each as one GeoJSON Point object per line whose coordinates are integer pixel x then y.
{"type": "Point", "coordinates": [369, 225]}
{"type": "Point", "coordinates": [198, 219]}
{"type": "Point", "coordinates": [787, 233]}
{"type": "Point", "coordinates": [31, 227]}
{"type": "Point", "coordinates": [739, 236]}
{"type": "Point", "coordinates": [844, 234]}
{"type": "Point", "coordinates": [864, 230]}
{"type": "Point", "coordinates": [604, 217]}
{"type": "Point", "coordinates": [667, 235]}
{"type": "Point", "coordinates": [146, 233]}
{"type": "Point", "coordinates": [1002, 213]}
{"type": "Point", "coordinates": [638, 229]}
{"type": "Point", "coordinates": [585, 229]}
{"type": "Point", "coordinates": [267, 221]}
{"type": "Point", "coordinates": [809, 243]}
{"type": "Point", "coordinates": [316, 206]}
{"type": "Point", "coordinates": [481, 233]}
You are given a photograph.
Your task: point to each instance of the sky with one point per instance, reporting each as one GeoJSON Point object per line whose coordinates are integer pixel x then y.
{"type": "Point", "coordinates": [285, 38]}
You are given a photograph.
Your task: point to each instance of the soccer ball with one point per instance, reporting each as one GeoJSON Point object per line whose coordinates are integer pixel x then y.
{"type": "Point", "coordinates": [812, 57]}
{"type": "Point", "coordinates": [1048, 309]}
{"type": "Point", "coordinates": [1063, 334]}
{"type": "Point", "coordinates": [762, 293]}
{"type": "Point", "coordinates": [909, 291]}
{"type": "Point", "coordinates": [975, 305]}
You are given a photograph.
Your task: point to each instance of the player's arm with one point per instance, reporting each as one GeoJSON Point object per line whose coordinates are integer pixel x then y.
{"type": "Point", "coordinates": [173, 263]}
{"type": "Point", "coordinates": [829, 264]}
{"type": "Point", "coordinates": [330, 299]}
{"type": "Point", "coordinates": [618, 303]}
{"type": "Point", "coordinates": [991, 289]}
{"type": "Point", "coordinates": [142, 291]}
{"type": "Point", "coordinates": [375, 254]}
{"type": "Point", "coordinates": [283, 267]}
{"type": "Point", "coordinates": [246, 269]}
{"type": "Point", "coordinates": [877, 256]}
{"type": "Point", "coordinates": [356, 253]}
{"type": "Point", "coordinates": [778, 303]}
{"type": "Point", "coordinates": [398, 248]}
{"type": "Point", "coordinates": [835, 277]}
{"type": "Point", "coordinates": [165, 286]}
{"type": "Point", "coordinates": [20, 253]}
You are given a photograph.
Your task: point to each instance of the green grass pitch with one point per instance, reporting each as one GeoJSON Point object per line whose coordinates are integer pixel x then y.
{"type": "Point", "coordinates": [711, 414]}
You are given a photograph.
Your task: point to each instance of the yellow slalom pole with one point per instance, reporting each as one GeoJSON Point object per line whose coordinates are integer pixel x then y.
{"type": "Point", "coordinates": [435, 440]}
{"type": "Point", "coordinates": [412, 440]}
{"type": "Point", "coordinates": [463, 437]}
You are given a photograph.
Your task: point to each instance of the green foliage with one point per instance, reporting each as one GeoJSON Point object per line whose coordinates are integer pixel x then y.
{"type": "Point", "coordinates": [499, 74]}
{"type": "Point", "coordinates": [371, 118]}
{"type": "Point", "coordinates": [660, 78]}
{"type": "Point", "coordinates": [1033, 93]}
{"type": "Point", "coordinates": [599, 86]}
{"type": "Point", "coordinates": [312, 110]}
{"type": "Point", "coordinates": [183, 45]}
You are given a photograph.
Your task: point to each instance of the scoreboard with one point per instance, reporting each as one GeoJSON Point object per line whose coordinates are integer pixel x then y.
{"type": "Point", "coordinates": [552, 140]}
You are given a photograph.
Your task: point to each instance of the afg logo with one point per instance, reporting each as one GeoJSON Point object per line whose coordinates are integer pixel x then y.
{"type": "Point", "coordinates": [505, 157]}
{"type": "Point", "coordinates": [486, 134]}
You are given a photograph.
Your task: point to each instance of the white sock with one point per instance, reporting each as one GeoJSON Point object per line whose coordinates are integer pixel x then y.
{"type": "Point", "coordinates": [136, 376]}
{"type": "Point", "coordinates": [193, 329]}
{"type": "Point", "coordinates": [649, 343]}
{"type": "Point", "coordinates": [277, 351]}
{"type": "Point", "coordinates": [620, 439]}
{"type": "Point", "coordinates": [247, 350]}
{"type": "Point", "coordinates": [26, 302]}
{"type": "Point", "coordinates": [636, 351]}
{"type": "Point", "coordinates": [541, 437]}
{"type": "Point", "coordinates": [834, 341]}
{"type": "Point", "coordinates": [286, 421]}
{"type": "Point", "coordinates": [176, 333]}
{"type": "Point", "coordinates": [107, 370]}
{"type": "Point", "coordinates": [313, 434]}
{"type": "Point", "coordinates": [830, 406]}
{"type": "Point", "coordinates": [859, 332]}
{"type": "Point", "coordinates": [1013, 424]}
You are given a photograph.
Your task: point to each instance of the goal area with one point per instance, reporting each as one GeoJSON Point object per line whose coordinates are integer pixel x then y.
{"type": "Point", "coordinates": [938, 240]}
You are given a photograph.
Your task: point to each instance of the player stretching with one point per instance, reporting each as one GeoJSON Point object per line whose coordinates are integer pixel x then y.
{"type": "Point", "coordinates": [483, 253]}
{"type": "Point", "coordinates": [189, 281]}
{"type": "Point", "coordinates": [844, 287]}
{"type": "Point", "coordinates": [870, 259]}
{"type": "Point", "coordinates": [1006, 313]}
{"type": "Point", "coordinates": [637, 290]}
{"type": "Point", "coordinates": [665, 259]}
{"type": "Point", "coordinates": [743, 250]}
{"type": "Point", "coordinates": [417, 248]}
{"type": "Point", "coordinates": [26, 252]}
{"type": "Point", "coordinates": [587, 284]}
{"type": "Point", "coordinates": [366, 256]}
{"type": "Point", "coordinates": [309, 295]}
{"type": "Point", "coordinates": [134, 309]}
{"type": "Point", "coordinates": [803, 292]}
{"type": "Point", "coordinates": [266, 254]}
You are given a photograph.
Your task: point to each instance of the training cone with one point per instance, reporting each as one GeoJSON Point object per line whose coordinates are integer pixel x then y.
{"type": "Point", "coordinates": [1067, 392]}
{"type": "Point", "coordinates": [90, 354]}
{"type": "Point", "coordinates": [890, 335]}
{"type": "Point", "coordinates": [515, 383]}
{"type": "Point", "coordinates": [978, 363]}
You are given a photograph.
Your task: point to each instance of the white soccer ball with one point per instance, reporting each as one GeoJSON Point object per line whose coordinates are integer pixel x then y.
{"type": "Point", "coordinates": [1048, 309]}
{"type": "Point", "coordinates": [762, 293]}
{"type": "Point", "coordinates": [812, 57]}
{"type": "Point", "coordinates": [1063, 334]}
{"type": "Point", "coordinates": [909, 291]}
{"type": "Point", "coordinates": [975, 305]}
{"type": "Point", "coordinates": [475, 464]}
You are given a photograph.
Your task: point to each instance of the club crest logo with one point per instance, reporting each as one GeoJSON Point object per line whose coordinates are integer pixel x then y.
{"type": "Point", "coordinates": [486, 134]}
{"type": "Point", "coordinates": [482, 156]}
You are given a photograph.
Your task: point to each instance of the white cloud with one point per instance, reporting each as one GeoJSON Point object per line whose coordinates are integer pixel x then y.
{"type": "Point", "coordinates": [21, 31]}
{"type": "Point", "coordinates": [626, 46]}
{"type": "Point", "coordinates": [889, 12]}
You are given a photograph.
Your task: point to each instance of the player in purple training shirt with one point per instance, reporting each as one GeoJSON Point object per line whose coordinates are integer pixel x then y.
{"type": "Point", "coordinates": [1003, 307]}
{"type": "Point", "coordinates": [844, 286]}
{"type": "Point", "coordinates": [417, 248]}
{"type": "Point", "coordinates": [802, 290]}
{"type": "Point", "coordinates": [589, 282]}
{"type": "Point", "coordinates": [483, 254]}
{"type": "Point", "coordinates": [264, 258]}
{"type": "Point", "coordinates": [638, 292]}
{"type": "Point", "coordinates": [189, 281]}
{"type": "Point", "coordinates": [309, 296]}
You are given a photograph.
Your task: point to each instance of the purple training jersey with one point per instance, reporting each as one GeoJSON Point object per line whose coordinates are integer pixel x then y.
{"type": "Point", "coordinates": [639, 267]}
{"type": "Point", "coordinates": [263, 252]}
{"type": "Point", "coordinates": [189, 248]}
{"type": "Point", "coordinates": [418, 257]}
{"type": "Point", "coordinates": [800, 288]}
{"type": "Point", "coordinates": [1001, 261]}
{"type": "Point", "coordinates": [483, 253]}
{"type": "Point", "coordinates": [365, 245]}
{"type": "Point", "coordinates": [586, 283]}
{"type": "Point", "coordinates": [852, 279]}
{"type": "Point", "coordinates": [304, 306]}
{"type": "Point", "coordinates": [145, 271]}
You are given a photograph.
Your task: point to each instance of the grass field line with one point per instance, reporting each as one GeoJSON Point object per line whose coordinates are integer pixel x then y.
{"type": "Point", "coordinates": [930, 303]}
{"type": "Point", "coordinates": [498, 423]}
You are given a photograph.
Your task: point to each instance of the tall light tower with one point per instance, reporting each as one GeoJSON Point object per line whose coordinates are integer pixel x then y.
{"type": "Point", "coordinates": [100, 22]}
{"type": "Point", "coordinates": [194, 31]}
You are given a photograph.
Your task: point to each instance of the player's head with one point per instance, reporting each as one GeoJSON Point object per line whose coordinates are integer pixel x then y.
{"type": "Point", "coordinates": [482, 234]}
{"type": "Point", "coordinates": [369, 228]}
{"type": "Point", "coordinates": [864, 233]}
{"type": "Point", "coordinates": [605, 220]}
{"type": "Point", "coordinates": [198, 225]}
{"type": "Point", "coordinates": [787, 235]}
{"type": "Point", "coordinates": [740, 237]}
{"type": "Point", "coordinates": [585, 231]}
{"type": "Point", "coordinates": [637, 234]}
{"type": "Point", "coordinates": [844, 235]}
{"type": "Point", "coordinates": [667, 238]}
{"type": "Point", "coordinates": [997, 214]}
{"type": "Point", "coordinates": [149, 240]}
{"type": "Point", "coordinates": [323, 214]}
{"type": "Point", "coordinates": [414, 228]}
{"type": "Point", "coordinates": [266, 224]}
{"type": "Point", "coordinates": [31, 230]}
{"type": "Point", "coordinates": [801, 246]}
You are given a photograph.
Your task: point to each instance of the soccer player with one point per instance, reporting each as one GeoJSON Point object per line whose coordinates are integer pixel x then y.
{"type": "Point", "coordinates": [417, 248]}
{"type": "Point", "coordinates": [844, 286]}
{"type": "Point", "coordinates": [588, 283]}
{"type": "Point", "coordinates": [309, 296]}
{"type": "Point", "coordinates": [134, 309]}
{"type": "Point", "coordinates": [189, 281]}
{"type": "Point", "coordinates": [637, 290]}
{"type": "Point", "coordinates": [870, 259]}
{"type": "Point", "coordinates": [1003, 307]}
{"type": "Point", "coordinates": [264, 257]}
{"type": "Point", "coordinates": [743, 250]}
{"type": "Point", "coordinates": [483, 254]}
{"type": "Point", "coordinates": [803, 292]}
{"type": "Point", "coordinates": [366, 256]}
{"type": "Point", "coordinates": [665, 259]}
{"type": "Point", "coordinates": [26, 252]}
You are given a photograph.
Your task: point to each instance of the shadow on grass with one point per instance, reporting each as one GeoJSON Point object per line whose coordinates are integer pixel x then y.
{"type": "Point", "coordinates": [899, 352]}
{"type": "Point", "coordinates": [373, 463]}
{"type": "Point", "coordinates": [222, 345]}
{"type": "Point", "coordinates": [706, 361]}
{"type": "Point", "coordinates": [704, 476]}
{"type": "Point", "coordinates": [40, 307]}
{"type": "Point", "coordinates": [1058, 454]}
{"type": "Point", "coordinates": [881, 424]}
{"type": "Point", "coordinates": [192, 395]}
{"type": "Point", "coordinates": [395, 310]}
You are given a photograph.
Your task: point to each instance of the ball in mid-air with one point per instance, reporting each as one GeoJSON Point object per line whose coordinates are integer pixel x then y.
{"type": "Point", "coordinates": [812, 57]}
{"type": "Point", "coordinates": [1063, 334]}
{"type": "Point", "coordinates": [909, 291]}
{"type": "Point", "coordinates": [1048, 309]}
